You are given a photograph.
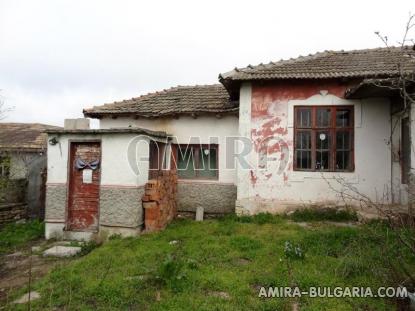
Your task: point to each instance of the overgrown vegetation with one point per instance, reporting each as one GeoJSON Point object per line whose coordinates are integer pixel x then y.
{"type": "Point", "coordinates": [221, 265]}
{"type": "Point", "coordinates": [13, 236]}
{"type": "Point", "coordinates": [324, 214]}
{"type": "Point", "coordinates": [88, 247]}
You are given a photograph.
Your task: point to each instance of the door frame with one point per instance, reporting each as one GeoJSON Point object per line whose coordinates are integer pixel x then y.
{"type": "Point", "coordinates": [68, 182]}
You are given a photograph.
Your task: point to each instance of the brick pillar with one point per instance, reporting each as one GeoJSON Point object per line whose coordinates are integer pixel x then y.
{"type": "Point", "coordinates": [159, 201]}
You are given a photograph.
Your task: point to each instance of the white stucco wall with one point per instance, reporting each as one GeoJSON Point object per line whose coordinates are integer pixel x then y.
{"type": "Point", "coordinates": [271, 190]}
{"type": "Point", "coordinates": [244, 131]}
{"type": "Point", "coordinates": [115, 168]}
{"type": "Point", "coordinates": [183, 128]}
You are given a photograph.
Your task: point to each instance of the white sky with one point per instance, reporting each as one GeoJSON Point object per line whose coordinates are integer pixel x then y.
{"type": "Point", "coordinates": [58, 57]}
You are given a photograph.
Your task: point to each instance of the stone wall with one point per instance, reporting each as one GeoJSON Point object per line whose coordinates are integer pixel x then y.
{"type": "Point", "coordinates": [10, 212]}
{"type": "Point", "coordinates": [121, 206]}
{"type": "Point", "coordinates": [215, 198]}
{"type": "Point", "coordinates": [55, 202]}
{"type": "Point", "coordinates": [13, 190]}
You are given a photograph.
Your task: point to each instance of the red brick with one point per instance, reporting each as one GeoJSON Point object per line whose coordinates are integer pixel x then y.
{"type": "Point", "coordinates": [149, 204]}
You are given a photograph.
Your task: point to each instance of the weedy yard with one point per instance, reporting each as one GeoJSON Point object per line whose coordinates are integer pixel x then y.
{"type": "Point", "coordinates": [13, 236]}
{"type": "Point", "coordinates": [222, 264]}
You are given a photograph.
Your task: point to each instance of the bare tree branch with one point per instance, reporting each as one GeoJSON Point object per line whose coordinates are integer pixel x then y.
{"type": "Point", "coordinates": [4, 110]}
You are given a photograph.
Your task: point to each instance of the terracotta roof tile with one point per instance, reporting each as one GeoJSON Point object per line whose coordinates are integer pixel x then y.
{"type": "Point", "coordinates": [24, 136]}
{"type": "Point", "coordinates": [176, 100]}
{"type": "Point", "coordinates": [331, 64]}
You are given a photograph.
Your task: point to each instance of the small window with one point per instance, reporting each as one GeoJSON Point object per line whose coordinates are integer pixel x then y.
{"type": "Point", "coordinates": [197, 161]}
{"type": "Point", "coordinates": [323, 138]}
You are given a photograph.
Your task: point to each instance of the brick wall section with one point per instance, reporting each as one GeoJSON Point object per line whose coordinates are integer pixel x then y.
{"type": "Point", "coordinates": [159, 201]}
{"type": "Point", "coordinates": [83, 198]}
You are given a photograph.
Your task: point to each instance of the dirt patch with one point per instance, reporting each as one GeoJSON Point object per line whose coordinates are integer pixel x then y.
{"type": "Point", "coordinates": [223, 295]}
{"type": "Point", "coordinates": [242, 261]}
{"type": "Point", "coordinates": [343, 224]}
{"type": "Point", "coordinates": [18, 267]}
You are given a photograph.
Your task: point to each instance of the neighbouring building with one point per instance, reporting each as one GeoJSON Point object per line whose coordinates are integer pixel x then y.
{"type": "Point", "coordinates": [22, 170]}
{"type": "Point", "coordinates": [268, 138]}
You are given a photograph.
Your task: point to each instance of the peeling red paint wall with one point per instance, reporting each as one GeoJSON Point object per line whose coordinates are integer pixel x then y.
{"type": "Point", "coordinates": [253, 178]}
{"type": "Point", "coordinates": [271, 137]}
{"type": "Point", "coordinates": [263, 95]}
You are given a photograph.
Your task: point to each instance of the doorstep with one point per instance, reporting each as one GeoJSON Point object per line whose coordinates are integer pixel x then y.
{"type": "Point", "coordinates": [78, 235]}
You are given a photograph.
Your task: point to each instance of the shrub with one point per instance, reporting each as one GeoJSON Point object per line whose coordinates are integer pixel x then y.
{"type": "Point", "coordinates": [115, 236]}
{"type": "Point", "coordinates": [171, 273]}
{"type": "Point", "coordinates": [324, 214]}
{"type": "Point", "coordinates": [292, 251]}
{"type": "Point", "coordinates": [88, 247]}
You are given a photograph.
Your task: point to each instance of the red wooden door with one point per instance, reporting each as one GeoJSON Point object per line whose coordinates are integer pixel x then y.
{"type": "Point", "coordinates": [84, 181]}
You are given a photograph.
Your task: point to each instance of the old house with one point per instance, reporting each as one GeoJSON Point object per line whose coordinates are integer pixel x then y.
{"type": "Point", "coordinates": [336, 123]}
{"type": "Point", "coordinates": [180, 116]}
{"type": "Point", "coordinates": [22, 170]}
{"type": "Point", "coordinates": [268, 138]}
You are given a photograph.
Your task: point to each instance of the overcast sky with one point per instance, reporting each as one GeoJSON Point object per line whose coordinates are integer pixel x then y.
{"type": "Point", "coordinates": [58, 57]}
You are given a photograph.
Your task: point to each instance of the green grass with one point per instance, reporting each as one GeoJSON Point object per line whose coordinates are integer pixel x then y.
{"type": "Point", "coordinates": [326, 214]}
{"type": "Point", "coordinates": [13, 236]}
{"type": "Point", "coordinates": [232, 255]}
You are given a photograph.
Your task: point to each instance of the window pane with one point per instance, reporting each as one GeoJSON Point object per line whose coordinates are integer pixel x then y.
{"type": "Point", "coordinates": [303, 159]}
{"type": "Point", "coordinates": [208, 163]}
{"type": "Point", "coordinates": [343, 117]}
{"type": "Point", "coordinates": [343, 140]}
{"type": "Point", "coordinates": [323, 140]}
{"type": "Point", "coordinates": [303, 140]}
{"type": "Point", "coordinates": [322, 160]}
{"type": "Point", "coordinates": [185, 163]}
{"type": "Point", "coordinates": [342, 160]}
{"type": "Point", "coordinates": [303, 118]}
{"type": "Point", "coordinates": [323, 117]}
